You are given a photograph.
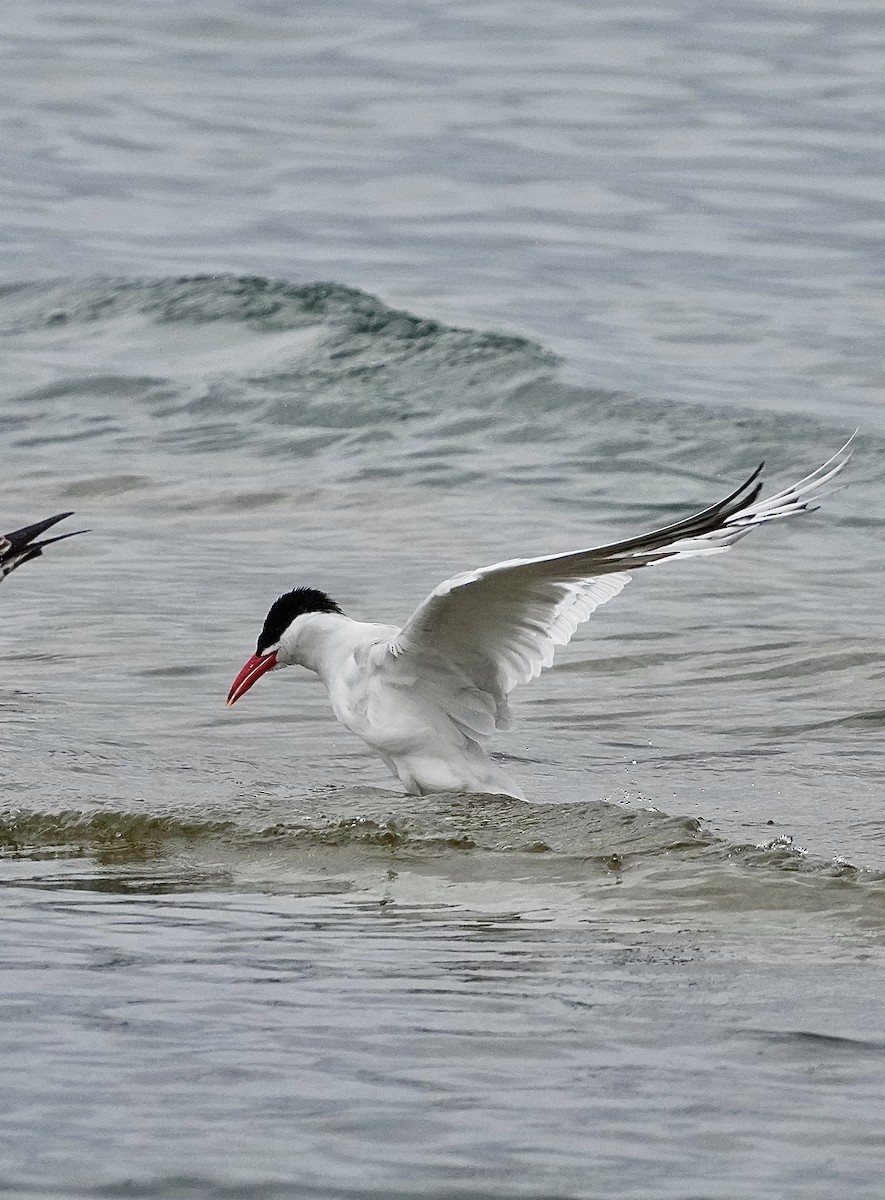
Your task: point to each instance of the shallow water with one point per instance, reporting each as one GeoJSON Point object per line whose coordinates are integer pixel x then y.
{"type": "Point", "coordinates": [624, 255]}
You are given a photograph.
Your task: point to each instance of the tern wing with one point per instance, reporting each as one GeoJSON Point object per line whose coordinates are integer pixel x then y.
{"type": "Point", "coordinates": [20, 546]}
{"type": "Point", "coordinates": [479, 634]}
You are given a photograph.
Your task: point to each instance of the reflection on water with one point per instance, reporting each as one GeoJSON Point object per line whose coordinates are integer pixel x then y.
{"type": "Point", "coordinates": [271, 1041]}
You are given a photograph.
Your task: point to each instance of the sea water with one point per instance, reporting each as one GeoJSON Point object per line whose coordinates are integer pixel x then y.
{"type": "Point", "coordinates": [356, 298]}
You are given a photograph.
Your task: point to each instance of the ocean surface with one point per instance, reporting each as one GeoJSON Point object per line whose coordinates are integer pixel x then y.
{"type": "Point", "coordinates": [357, 296]}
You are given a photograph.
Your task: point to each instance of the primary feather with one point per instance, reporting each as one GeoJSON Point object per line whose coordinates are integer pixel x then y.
{"type": "Point", "coordinates": [21, 545]}
{"type": "Point", "coordinates": [500, 625]}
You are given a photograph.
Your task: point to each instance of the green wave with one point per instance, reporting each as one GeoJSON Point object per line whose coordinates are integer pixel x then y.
{"type": "Point", "coordinates": [600, 832]}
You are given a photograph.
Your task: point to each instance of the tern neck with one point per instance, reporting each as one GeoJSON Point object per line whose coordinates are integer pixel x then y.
{"type": "Point", "coordinates": [318, 641]}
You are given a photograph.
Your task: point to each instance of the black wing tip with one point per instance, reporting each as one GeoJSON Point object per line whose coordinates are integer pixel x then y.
{"type": "Point", "coordinates": [60, 537]}
{"type": "Point", "coordinates": [20, 546]}
{"type": "Point", "coordinates": [19, 538]}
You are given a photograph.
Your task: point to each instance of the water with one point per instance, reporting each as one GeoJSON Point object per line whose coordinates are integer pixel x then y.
{"type": "Point", "coordinates": [585, 267]}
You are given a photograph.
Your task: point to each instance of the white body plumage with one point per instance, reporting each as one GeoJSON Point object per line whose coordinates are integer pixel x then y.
{"type": "Point", "coordinates": [427, 695]}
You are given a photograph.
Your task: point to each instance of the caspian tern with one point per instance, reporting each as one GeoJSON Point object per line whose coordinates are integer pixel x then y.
{"type": "Point", "coordinates": [425, 696]}
{"type": "Point", "coordinates": [19, 546]}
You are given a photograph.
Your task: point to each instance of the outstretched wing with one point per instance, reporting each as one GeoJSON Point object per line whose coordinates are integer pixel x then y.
{"type": "Point", "coordinates": [481, 633]}
{"type": "Point", "coordinates": [20, 547]}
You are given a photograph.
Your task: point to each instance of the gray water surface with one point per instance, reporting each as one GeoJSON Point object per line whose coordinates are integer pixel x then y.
{"type": "Point", "coordinates": [359, 298]}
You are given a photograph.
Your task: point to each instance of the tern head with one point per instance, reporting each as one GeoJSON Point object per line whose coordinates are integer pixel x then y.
{"type": "Point", "coordinates": [277, 642]}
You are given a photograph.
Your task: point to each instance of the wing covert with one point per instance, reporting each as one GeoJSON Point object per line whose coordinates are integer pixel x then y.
{"type": "Point", "coordinates": [481, 633]}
